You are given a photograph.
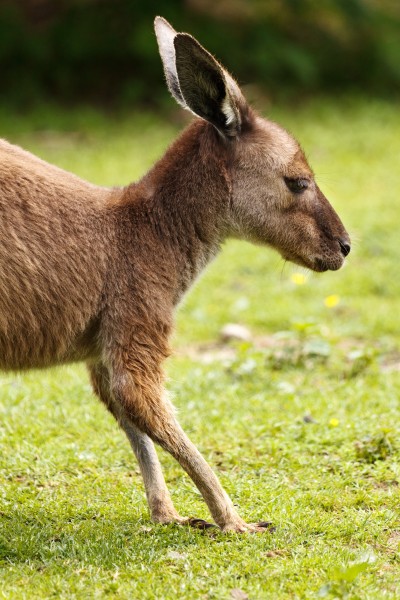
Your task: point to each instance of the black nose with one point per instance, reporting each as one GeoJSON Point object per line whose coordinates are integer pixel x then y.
{"type": "Point", "coordinates": [344, 247]}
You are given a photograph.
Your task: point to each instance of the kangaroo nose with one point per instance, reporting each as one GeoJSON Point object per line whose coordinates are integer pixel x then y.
{"type": "Point", "coordinates": [344, 247]}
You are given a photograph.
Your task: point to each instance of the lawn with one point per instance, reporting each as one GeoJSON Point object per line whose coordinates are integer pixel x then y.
{"type": "Point", "coordinates": [302, 422]}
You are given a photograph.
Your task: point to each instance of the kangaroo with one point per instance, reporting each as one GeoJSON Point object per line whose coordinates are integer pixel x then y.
{"type": "Point", "coordinates": [94, 274]}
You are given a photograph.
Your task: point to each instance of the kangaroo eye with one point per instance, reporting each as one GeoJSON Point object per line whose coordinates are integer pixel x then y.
{"type": "Point", "coordinates": [297, 185]}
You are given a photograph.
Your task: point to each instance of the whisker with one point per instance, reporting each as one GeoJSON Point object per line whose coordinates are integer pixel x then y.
{"type": "Point", "coordinates": [284, 263]}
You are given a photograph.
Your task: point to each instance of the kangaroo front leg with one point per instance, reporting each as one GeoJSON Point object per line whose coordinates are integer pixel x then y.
{"type": "Point", "coordinates": [159, 500]}
{"type": "Point", "coordinates": [149, 410]}
{"type": "Point", "coordinates": [161, 507]}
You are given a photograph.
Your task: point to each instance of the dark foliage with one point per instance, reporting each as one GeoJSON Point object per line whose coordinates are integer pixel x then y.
{"type": "Point", "coordinates": [105, 50]}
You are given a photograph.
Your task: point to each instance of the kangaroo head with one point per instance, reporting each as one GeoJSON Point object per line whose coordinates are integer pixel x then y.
{"type": "Point", "coordinates": [274, 198]}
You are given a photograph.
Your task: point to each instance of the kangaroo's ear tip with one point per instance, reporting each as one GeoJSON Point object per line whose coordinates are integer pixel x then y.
{"type": "Point", "coordinates": [184, 40]}
{"type": "Point", "coordinates": [160, 23]}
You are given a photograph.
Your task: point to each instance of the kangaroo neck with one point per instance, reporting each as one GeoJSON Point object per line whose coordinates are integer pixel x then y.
{"type": "Point", "coordinates": [188, 195]}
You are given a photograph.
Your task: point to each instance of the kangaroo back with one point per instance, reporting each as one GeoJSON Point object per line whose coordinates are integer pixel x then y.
{"type": "Point", "coordinates": [52, 260]}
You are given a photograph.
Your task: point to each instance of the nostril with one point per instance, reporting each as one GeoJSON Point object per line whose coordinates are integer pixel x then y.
{"type": "Point", "coordinates": [344, 247]}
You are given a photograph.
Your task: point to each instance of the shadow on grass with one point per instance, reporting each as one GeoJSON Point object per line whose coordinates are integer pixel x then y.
{"type": "Point", "coordinates": [43, 536]}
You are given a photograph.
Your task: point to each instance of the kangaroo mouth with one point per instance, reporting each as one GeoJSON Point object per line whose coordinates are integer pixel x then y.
{"type": "Point", "coordinates": [317, 264]}
{"type": "Point", "coordinates": [321, 265]}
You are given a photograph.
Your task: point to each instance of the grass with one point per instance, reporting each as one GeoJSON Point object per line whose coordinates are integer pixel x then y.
{"type": "Point", "coordinates": [301, 423]}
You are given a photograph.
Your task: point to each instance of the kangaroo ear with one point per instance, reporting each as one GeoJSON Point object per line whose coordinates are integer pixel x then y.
{"type": "Point", "coordinates": [198, 82]}
{"type": "Point", "coordinates": [165, 34]}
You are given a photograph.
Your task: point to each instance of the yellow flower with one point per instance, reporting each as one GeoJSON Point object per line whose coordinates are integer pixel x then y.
{"type": "Point", "coordinates": [298, 278]}
{"type": "Point", "coordinates": [331, 301]}
{"type": "Point", "coordinates": [334, 422]}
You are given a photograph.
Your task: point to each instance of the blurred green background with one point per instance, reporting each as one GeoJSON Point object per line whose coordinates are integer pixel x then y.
{"type": "Point", "coordinates": [104, 51]}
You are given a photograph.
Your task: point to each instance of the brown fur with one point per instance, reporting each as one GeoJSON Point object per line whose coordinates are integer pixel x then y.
{"type": "Point", "coordinates": [92, 274]}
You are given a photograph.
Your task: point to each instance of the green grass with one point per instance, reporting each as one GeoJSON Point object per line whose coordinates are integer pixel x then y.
{"type": "Point", "coordinates": [302, 424]}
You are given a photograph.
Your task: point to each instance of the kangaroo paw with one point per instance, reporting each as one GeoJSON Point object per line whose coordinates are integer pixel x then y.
{"type": "Point", "coordinates": [242, 527]}
{"type": "Point", "coordinates": [200, 524]}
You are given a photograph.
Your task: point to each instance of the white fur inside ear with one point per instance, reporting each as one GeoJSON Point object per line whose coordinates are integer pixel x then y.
{"type": "Point", "coordinates": [165, 38]}
{"type": "Point", "coordinates": [228, 110]}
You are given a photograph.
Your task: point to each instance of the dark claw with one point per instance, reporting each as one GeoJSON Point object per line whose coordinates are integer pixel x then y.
{"type": "Point", "coordinates": [267, 525]}
{"type": "Point", "coordinates": [200, 524]}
